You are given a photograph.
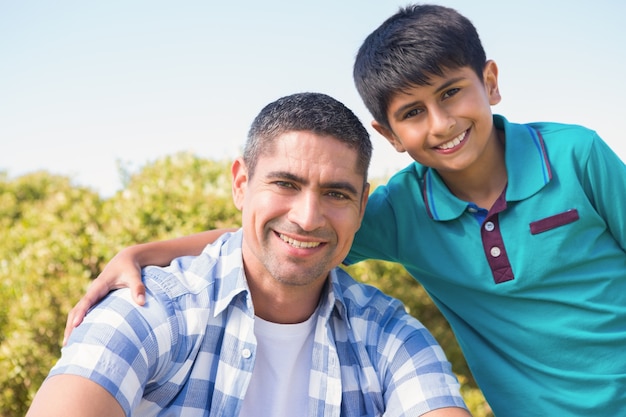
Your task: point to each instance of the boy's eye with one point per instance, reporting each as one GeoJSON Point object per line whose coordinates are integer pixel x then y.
{"type": "Point", "coordinates": [412, 113]}
{"type": "Point", "coordinates": [451, 92]}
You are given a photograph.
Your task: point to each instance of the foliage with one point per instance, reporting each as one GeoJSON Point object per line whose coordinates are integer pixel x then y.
{"type": "Point", "coordinates": [173, 196]}
{"type": "Point", "coordinates": [55, 238]}
{"type": "Point", "coordinates": [46, 257]}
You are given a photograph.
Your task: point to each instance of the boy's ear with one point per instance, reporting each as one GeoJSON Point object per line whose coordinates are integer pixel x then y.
{"type": "Point", "coordinates": [240, 181]}
{"type": "Point", "coordinates": [490, 77]}
{"type": "Point", "coordinates": [389, 135]}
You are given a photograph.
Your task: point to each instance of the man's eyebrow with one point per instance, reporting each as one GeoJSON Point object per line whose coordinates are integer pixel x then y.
{"type": "Point", "coordinates": [336, 185]}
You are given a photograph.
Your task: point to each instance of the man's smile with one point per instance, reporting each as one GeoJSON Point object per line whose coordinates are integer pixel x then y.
{"type": "Point", "coordinates": [297, 243]}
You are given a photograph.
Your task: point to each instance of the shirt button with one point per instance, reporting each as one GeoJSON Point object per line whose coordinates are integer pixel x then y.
{"type": "Point", "coordinates": [495, 251]}
{"type": "Point", "coordinates": [489, 226]}
{"type": "Point", "coordinates": [472, 210]}
{"type": "Point", "coordinates": [246, 353]}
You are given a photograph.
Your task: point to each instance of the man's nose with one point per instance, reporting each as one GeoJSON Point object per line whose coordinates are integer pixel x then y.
{"type": "Point", "coordinates": [307, 211]}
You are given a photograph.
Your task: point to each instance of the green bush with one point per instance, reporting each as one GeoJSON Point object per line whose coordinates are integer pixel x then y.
{"type": "Point", "coordinates": [56, 237]}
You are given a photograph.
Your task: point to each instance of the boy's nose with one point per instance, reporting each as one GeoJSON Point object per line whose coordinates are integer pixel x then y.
{"type": "Point", "coordinates": [306, 212]}
{"type": "Point", "coordinates": [441, 122]}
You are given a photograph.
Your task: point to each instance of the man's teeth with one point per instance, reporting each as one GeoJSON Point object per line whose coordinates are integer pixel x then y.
{"type": "Point", "coordinates": [454, 142]}
{"type": "Point", "coordinates": [298, 244]}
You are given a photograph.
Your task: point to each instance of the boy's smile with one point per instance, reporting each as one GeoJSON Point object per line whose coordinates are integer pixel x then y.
{"type": "Point", "coordinates": [454, 143]}
{"type": "Point", "coordinates": [447, 124]}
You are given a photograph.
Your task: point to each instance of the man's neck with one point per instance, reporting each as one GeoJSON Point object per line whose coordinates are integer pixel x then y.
{"type": "Point", "coordinates": [285, 304]}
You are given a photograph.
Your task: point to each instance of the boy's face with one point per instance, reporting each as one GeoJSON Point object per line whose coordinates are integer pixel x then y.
{"type": "Point", "coordinates": [300, 209]}
{"type": "Point", "coordinates": [448, 124]}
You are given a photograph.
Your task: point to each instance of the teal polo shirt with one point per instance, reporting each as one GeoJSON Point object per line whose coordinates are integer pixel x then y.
{"type": "Point", "coordinates": [536, 291]}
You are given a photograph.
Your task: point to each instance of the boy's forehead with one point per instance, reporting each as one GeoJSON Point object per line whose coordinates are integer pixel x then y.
{"type": "Point", "coordinates": [436, 82]}
{"type": "Point", "coordinates": [445, 75]}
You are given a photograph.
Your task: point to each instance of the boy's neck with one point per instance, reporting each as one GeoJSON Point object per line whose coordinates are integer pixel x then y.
{"type": "Point", "coordinates": [484, 182]}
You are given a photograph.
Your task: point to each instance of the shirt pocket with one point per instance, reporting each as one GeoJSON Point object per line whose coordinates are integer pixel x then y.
{"type": "Point", "coordinates": [553, 222]}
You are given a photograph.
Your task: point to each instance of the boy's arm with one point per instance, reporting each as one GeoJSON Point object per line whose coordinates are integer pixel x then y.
{"type": "Point", "coordinates": [124, 270]}
{"type": "Point", "coordinates": [72, 395]}
{"type": "Point", "coordinates": [448, 412]}
{"type": "Point", "coordinates": [607, 187]}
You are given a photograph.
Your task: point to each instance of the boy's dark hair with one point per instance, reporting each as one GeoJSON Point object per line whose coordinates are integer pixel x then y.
{"type": "Point", "coordinates": [416, 43]}
{"type": "Point", "coordinates": [311, 112]}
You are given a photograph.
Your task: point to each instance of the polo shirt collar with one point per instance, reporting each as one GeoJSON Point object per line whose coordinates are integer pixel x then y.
{"type": "Point", "coordinates": [527, 167]}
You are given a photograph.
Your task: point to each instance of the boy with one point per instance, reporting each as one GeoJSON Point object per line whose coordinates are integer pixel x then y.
{"type": "Point", "coordinates": [517, 232]}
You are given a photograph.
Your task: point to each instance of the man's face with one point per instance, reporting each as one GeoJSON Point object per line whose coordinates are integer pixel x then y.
{"type": "Point", "coordinates": [300, 209]}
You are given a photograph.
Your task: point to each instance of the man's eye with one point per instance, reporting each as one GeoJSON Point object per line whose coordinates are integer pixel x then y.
{"type": "Point", "coordinates": [337, 195]}
{"type": "Point", "coordinates": [284, 184]}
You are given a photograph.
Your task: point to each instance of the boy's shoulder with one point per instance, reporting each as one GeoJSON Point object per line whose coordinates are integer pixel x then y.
{"type": "Point", "coordinates": [557, 129]}
{"type": "Point", "coordinates": [565, 137]}
{"type": "Point", "coordinates": [562, 139]}
{"type": "Point", "coordinates": [548, 129]}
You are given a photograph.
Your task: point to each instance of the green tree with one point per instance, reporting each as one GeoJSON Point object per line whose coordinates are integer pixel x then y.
{"type": "Point", "coordinates": [56, 237]}
{"type": "Point", "coordinates": [173, 196]}
{"type": "Point", "coordinates": [45, 259]}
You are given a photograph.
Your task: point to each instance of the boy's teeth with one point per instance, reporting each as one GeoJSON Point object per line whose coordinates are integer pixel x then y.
{"type": "Point", "coordinates": [454, 142]}
{"type": "Point", "coordinates": [298, 244]}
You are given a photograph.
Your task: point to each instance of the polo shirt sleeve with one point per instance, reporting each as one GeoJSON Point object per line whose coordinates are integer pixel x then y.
{"type": "Point", "coordinates": [606, 187]}
{"type": "Point", "coordinates": [377, 236]}
{"type": "Point", "coordinates": [120, 346]}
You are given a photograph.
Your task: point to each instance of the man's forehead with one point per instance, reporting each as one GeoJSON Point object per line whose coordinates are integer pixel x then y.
{"type": "Point", "coordinates": [300, 149]}
{"type": "Point", "coordinates": [303, 140]}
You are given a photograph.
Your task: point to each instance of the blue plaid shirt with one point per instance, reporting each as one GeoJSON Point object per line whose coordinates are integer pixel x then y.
{"type": "Point", "coordinates": [190, 350]}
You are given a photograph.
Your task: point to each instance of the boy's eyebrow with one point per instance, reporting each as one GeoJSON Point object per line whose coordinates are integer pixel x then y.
{"type": "Point", "coordinates": [448, 83]}
{"type": "Point", "coordinates": [445, 85]}
{"type": "Point", "coordinates": [335, 185]}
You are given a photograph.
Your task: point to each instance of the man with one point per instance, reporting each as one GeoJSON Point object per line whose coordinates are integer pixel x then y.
{"type": "Point", "coordinates": [263, 323]}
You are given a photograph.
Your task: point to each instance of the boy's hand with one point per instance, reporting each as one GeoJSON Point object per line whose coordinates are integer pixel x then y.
{"type": "Point", "coordinates": [122, 271]}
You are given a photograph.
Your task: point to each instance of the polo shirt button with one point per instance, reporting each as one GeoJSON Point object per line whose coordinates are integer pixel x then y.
{"type": "Point", "coordinates": [489, 226]}
{"type": "Point", "coordinates": [495, 251]}
{"type": "Point", "coordinates": [246, 353]}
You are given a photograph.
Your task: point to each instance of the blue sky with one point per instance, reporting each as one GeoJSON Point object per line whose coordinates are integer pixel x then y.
{"type": "Point", "coordinates": [85, 84]}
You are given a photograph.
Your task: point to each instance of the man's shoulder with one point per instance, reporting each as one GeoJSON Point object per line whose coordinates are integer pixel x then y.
{"type": "Point", "coordinates": [186, 274]}
{"type": "Point", "coordinates": [364, 301]}
{"type": "Point", "coordinates": [194, 274]}
{"type": "Point", "coordinates": [378, 320]}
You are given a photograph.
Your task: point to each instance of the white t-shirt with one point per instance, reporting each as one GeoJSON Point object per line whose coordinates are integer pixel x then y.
{"type": "Point", "coordinates": [280, 379]}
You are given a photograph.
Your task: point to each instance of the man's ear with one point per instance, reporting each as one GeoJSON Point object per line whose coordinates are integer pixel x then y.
{"type": "Point", "coordinates": [239, 172]}
{"type": "Point", "coordinates": [364, 198]}
{"type": "Point", "coordinates": [389, 135]}
{"type": "Point", "coordinates": [490, 77]}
